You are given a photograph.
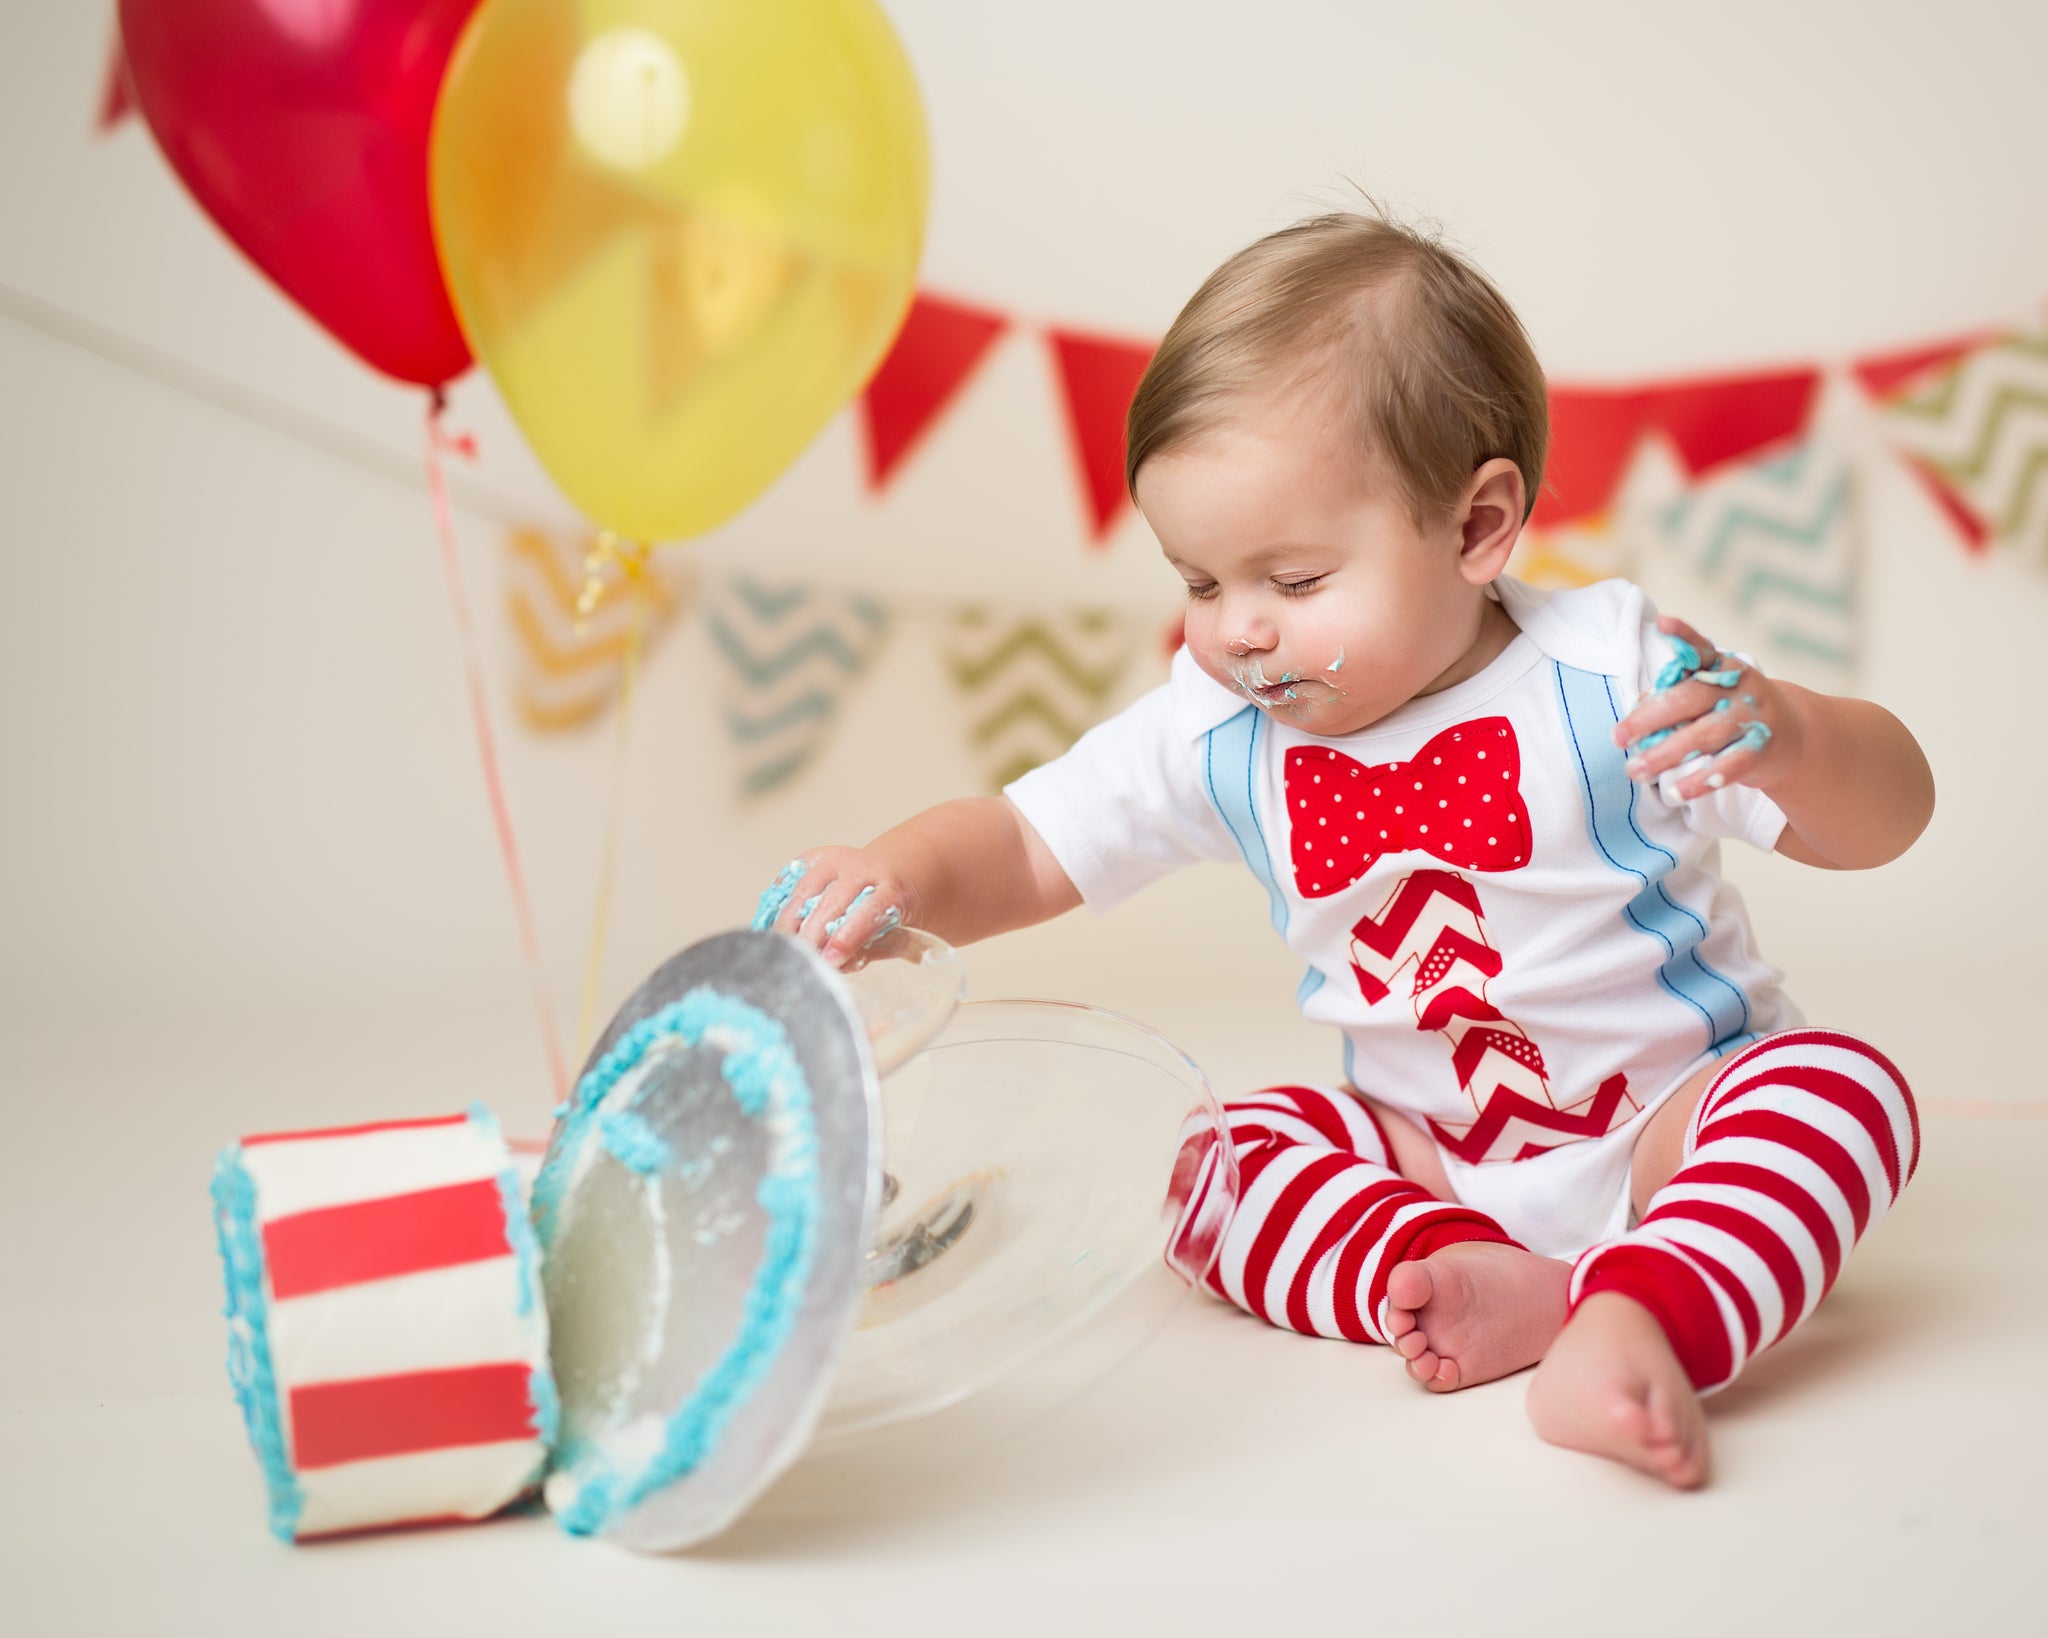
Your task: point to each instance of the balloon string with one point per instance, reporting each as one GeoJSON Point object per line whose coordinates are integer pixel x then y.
{"type": "Point", "coordinates": [439, 443]}
{"type": "Point", "coordinates": [631, 560]}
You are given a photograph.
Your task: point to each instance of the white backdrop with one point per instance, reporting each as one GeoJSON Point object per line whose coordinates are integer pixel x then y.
{"type": "Point", "coordinates": [238, 773]}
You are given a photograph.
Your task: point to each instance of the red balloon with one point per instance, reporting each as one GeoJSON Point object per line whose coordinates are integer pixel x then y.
{"type": "Point", "coordinates": [301, 127]}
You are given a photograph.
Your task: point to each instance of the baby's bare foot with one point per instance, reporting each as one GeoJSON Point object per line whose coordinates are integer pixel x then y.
{"type": "Point", "coordinates": [1611, 1385]}
{"type": "Point", "coordinates": [1474, 1311]}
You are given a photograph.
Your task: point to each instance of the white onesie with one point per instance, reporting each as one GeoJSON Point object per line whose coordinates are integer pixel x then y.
{"type": "Point", "coordinates": [1524, 950]}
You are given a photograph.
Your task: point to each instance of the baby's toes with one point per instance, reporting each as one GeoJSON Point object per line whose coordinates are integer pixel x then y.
{"type": "Point", "coordinates": [1423, 1367]}
{"type": "Point", "coordinates": [1411, 1344]}
{"type": "Point", "coordinates": [1409, 1286]}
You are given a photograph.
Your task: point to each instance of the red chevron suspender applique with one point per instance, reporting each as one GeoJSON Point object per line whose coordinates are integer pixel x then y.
{"type": "Point", "coordinates": [1458, 798]}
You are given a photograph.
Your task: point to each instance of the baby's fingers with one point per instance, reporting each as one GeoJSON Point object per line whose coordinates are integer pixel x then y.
{"type": "Point", "coordinates": [797, 887]}
{"type": "Point", "coordinates": [865, 916]}
{"type": "Point", "coordinates": [824, 913]}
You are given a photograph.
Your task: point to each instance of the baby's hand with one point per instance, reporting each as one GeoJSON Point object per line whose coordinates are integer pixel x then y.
{"type": "Point", "coordinates": [836, 899]}
{"type": "Point", "coordinates": [1713, 713]}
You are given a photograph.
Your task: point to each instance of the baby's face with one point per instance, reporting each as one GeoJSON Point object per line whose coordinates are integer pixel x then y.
{"type": "Point", "coordinates": [1310, 591]}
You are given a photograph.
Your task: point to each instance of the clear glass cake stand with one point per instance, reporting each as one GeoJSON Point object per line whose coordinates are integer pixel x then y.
{"type": "Point", "coordinates": [999, 1183]}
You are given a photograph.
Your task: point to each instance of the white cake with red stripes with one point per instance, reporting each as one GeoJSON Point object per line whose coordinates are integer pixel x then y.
{"type": "Point", "coordinates": [388, 1340]}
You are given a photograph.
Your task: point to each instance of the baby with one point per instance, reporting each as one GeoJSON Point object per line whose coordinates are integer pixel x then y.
{"type": "Point", "coordinates": [1581, 1127]}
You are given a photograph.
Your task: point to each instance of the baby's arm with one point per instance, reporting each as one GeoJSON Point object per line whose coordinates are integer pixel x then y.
{"type": "Point", "coordinates": [1853, 782]}
{"type": "Point", "coordinates": [964, 870]}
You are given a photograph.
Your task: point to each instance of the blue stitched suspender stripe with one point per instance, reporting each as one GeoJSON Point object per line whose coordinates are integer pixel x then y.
{"type": "Point", "coordinates": [1586, 698]}
{"type": "Point", "coordinates": [1230, 761]}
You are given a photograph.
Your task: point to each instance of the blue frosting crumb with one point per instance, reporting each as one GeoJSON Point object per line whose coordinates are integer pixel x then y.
{"type": "Point", "coordinates": [249, 1366]}
{"type": "Point", "coordinates": [764, 1076]}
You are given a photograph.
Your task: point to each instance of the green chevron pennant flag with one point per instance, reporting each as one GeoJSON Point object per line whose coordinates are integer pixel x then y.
{"type": "Point", "coordinates": [1034, 683]}
{"type": "Point", "coordinates": [1979, 432]}
{"type": "Point", "coordinates": [791, 657]}
{"type": "Point", "coordinates": [1774, 552]}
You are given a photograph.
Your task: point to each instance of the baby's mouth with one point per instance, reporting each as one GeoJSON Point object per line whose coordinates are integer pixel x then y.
{"type": "Point", "coordinates": [1288, 688]}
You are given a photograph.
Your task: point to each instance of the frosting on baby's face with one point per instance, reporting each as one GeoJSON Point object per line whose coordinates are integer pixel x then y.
{"type": "Point", "coordinates": [1311, 592]}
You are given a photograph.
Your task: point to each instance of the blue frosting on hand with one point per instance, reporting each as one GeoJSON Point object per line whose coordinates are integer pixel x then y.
{"type": "Point", "coordinates": [1685, 661]}
{"type": "Point", "coordinates": [776, 895]}
{"type": "Point", "coordinates": [840, 920]}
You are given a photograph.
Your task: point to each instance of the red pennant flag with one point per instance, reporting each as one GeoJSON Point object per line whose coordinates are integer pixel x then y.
{"type": "Point", "coordinates": [1976, 532]}
{"type": "Point", "coordinates": [1593, 431]}
{"type": "Point", "coordinates": [1888, 375]}
{"type": "Point", "coordinates": [1099, 375]}
{"type": "Point", "coordinates": [1725, 418]}
{"type": "Point", "coordinates": [938, 347]}
{"type": "Point", "coordinates": [117, 100]}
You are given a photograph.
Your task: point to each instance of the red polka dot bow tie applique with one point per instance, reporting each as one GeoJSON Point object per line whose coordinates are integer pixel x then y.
{"type": "Point", "coordinates": [1458, 799]}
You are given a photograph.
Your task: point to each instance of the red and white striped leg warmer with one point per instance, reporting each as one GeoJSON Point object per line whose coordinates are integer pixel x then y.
{"type": "Point", "coordinates": [1798, 1145]}
{"type": "Point", "coordinates": [1322, 1216]}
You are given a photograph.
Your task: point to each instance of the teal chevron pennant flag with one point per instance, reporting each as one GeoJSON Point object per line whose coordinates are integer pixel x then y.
{"type": "Point", "coordinates": [1979, 430]}
{"type": "Point", "coordinates": [1034, 683]}
{"type": "Point", "coordinates": [792, 654]}
{"type": "Point", "coordinates": [1773, 551]}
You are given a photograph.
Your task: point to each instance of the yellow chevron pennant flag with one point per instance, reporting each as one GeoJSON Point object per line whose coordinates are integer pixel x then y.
{"type": "Point", "coordinates": [1578, 553]}
{"type": "Point", "coordinates": [1980, 430]}
{"type": "Point", "coordinates": [792, 655]}
{"type": "Point", "coordinates": [567, 667]}
{"type": "Point", "coordinates": [1771, 556]}
{"type": "Point", "coordinates": [1034, 683]}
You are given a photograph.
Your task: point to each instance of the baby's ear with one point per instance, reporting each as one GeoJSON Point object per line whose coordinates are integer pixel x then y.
{"type": "Point", "coordinates": [1490, 519]}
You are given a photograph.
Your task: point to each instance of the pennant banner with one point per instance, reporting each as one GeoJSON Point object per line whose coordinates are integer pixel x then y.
{"type": "Point", "coordinates": [791, 657]}
{"type": "Point", "coordinates": [1033, 684]}
{"type": "Point", "coordinates": [1097, 379]}
{"type": "Point", "coordinates": [941, 344]}
{"type": "Point", "coordinates": [567, 667]}
{"type": "Point", "coordinates": [1711, 422]}
{"type": "Point", "coordinates": [1978, 433]}
{"type": "Point", "coordinates": [1890, 375]}
{"type": "Point", "coordinates": [1774, 549]}
{"type": "Point", "coordinates": [1967, 410]}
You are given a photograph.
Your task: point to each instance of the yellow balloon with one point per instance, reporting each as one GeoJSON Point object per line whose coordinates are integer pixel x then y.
{"type": "Point", "coordinates": [680, 234]}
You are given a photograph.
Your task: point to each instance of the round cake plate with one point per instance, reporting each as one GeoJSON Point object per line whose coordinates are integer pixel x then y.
{"type": "Point", "coordinates": [697, 1314]}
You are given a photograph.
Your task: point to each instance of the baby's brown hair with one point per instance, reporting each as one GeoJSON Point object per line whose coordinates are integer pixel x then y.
{"type": "Point", "coordinates": [1429, 360]}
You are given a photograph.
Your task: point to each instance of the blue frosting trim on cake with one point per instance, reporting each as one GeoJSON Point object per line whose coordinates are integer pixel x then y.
{"type": "Point", "coordinates": [547, 1405]}
{"type": "Point", "coordinates": [541, 1395]}
{"type": "Point", "coordinates": [248, 1308]}
{"type": "Point", "coordinates": [765, 1079]}
{"type": "Point", "coordinates": [630, 1141]}
{"type": "Point", "coordinates": [518, 1228]}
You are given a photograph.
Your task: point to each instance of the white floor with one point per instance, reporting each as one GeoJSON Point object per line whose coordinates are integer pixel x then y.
{"type": "Point", "coordinates": [1880, 1473]}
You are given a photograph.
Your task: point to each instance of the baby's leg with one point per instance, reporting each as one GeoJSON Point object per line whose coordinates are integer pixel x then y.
{"type": "Point", "coordinates": [1325, 1224]}
{"type": "Point", "coordinates": [1798, 1145]}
